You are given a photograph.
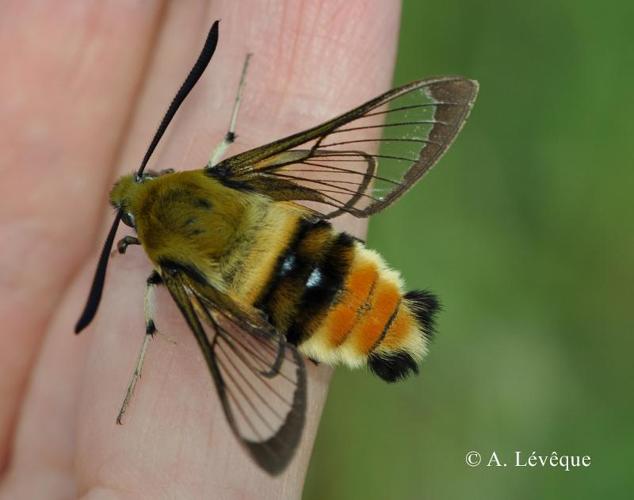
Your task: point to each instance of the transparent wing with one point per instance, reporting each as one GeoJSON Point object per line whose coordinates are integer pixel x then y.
{"type": "Point", "coordinates": [404, 131]}
{"type": "Point", "coordinates": [260, 378]}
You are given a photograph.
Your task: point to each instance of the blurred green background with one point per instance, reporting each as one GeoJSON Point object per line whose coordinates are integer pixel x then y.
{"type": "Point", "coordinates": [525, 232]}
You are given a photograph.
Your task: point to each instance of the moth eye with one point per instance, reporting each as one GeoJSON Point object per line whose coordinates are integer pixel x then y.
{"type": "Point", "coordinates": [128, 219]}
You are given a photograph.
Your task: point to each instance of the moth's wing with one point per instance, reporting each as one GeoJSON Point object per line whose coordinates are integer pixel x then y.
{"type": "Point", "coordinates": [260, 378]}
{"type": "Point", "coordinates": [336, 167]}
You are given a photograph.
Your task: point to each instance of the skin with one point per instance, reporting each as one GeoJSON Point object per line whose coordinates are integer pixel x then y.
{"type": "Point", "coordinates": [84, 86]}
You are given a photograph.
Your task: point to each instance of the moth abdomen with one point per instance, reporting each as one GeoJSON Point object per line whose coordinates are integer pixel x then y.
{"type": "Point", "coordinates": [341, 304]}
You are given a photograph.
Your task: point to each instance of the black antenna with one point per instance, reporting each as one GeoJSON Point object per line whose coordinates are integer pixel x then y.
{"type": "Point", "coordinates": [194, 75]}
{"type": "Point", "coordinates": [94, 297]}
{"type": "Point", "coordinates": [97, 282]}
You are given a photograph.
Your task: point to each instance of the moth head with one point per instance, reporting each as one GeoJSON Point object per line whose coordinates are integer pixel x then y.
{"type": "Point", "coordinates": [122, 194]}
{"type": "Point", "coordinates": [128, 188]}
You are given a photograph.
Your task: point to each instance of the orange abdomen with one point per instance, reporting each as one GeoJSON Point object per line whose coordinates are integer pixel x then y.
{"type": "Point", "coordinates": [341, 304]}
{"type": "Point", "coordinates": [374, 322]}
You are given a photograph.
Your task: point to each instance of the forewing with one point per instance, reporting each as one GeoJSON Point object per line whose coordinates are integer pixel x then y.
{"type": "Point", "coordinates": [260, 378]}
{"type": "Point", "coordinates": [404, 131]}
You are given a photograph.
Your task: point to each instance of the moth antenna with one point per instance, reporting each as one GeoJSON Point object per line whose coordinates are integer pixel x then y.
{"type": "Point", "coordinates": [194, 75]}
{"type": "Point", "coordinates": [94, 297]}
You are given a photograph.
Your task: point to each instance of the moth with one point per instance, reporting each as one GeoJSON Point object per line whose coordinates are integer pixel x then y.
{"type": "Point", "coordinates": [264, 281]}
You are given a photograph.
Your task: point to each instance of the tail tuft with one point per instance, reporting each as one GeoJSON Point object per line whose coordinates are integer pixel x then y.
{"type": "Point", "coordinates": [392, 367]}
{"type": "Point", "coordinates": [424, 305]}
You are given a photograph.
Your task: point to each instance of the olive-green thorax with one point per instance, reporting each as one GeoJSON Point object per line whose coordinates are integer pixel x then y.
{"type": "Point", "coordinates": [192, 219]}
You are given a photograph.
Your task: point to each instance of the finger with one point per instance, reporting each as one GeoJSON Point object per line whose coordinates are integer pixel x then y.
{"type": "Point", "coordinates": [63, 114]}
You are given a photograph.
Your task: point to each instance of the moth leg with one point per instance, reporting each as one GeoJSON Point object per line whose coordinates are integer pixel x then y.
{"type": "Point", "coordinates": [230, 136]}
{"type": "Point", "coordinates": [125, 242]}
{"type": "Point", "coordinates": [150, 329]}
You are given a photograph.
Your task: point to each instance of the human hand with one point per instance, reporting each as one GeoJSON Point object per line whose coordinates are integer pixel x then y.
{"type": "Point", "coordinates": [83, 90]}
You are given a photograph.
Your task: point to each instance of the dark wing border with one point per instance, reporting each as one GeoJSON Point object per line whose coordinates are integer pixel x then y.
{"type": "Point", "coordinates": [259, 169]}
